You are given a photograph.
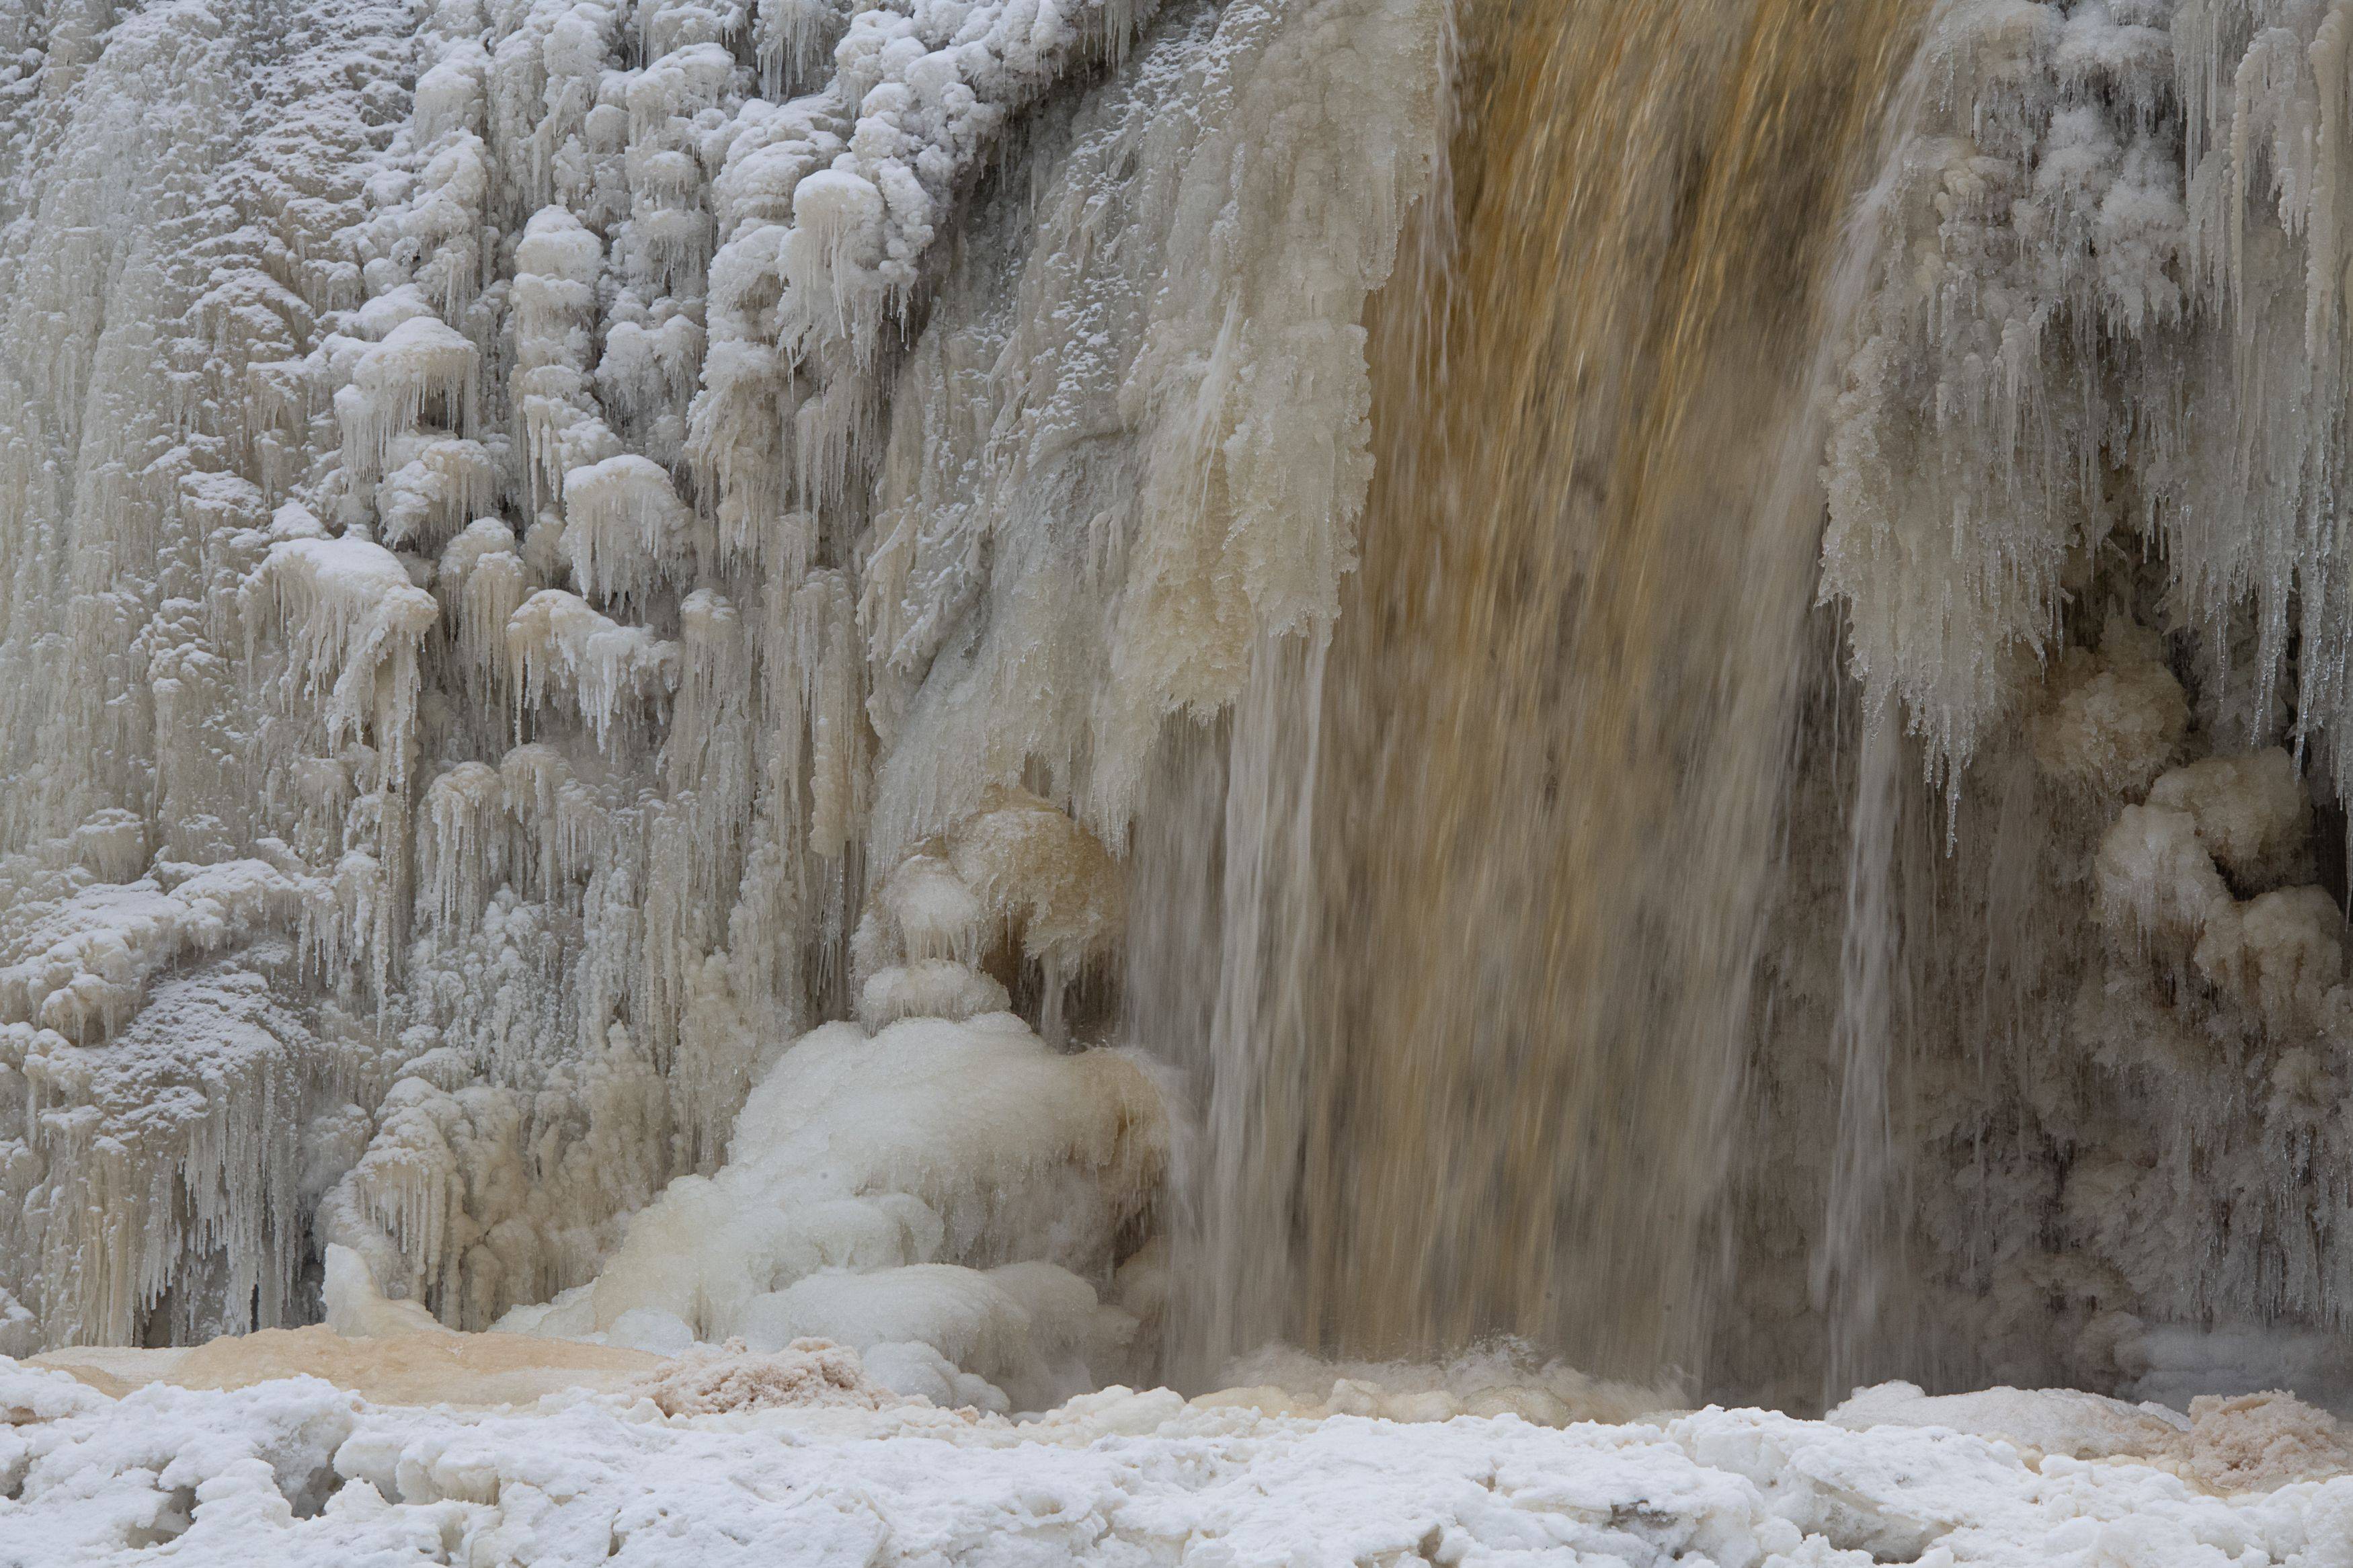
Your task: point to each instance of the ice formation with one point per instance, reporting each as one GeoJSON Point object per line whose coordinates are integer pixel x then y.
{"type": "Point", "coordinates": [554, 547]}
{"type": "Point", "coordinates": [952, 1192]}
{"type": "Point", "coordinates": [2106, 320]}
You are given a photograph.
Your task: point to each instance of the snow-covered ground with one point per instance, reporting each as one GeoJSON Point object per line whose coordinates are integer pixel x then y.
{"type": "Point", "coordinates": [797, 1460]}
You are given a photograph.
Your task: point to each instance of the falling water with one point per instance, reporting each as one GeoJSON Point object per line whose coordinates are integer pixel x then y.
{"type": "Point", "coordinates": [1481, 1077]}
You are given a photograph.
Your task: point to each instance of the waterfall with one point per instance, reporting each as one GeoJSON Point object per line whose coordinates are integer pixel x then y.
{"type": "Point", "coordinates": [1524, 989]}
{"type": "Point", "coordinates": [1078, 690]}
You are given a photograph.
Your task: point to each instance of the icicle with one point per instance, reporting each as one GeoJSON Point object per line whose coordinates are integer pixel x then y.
{"type": "Point", "coordinates": [357, 623]}
{"type": "Point", "coordinates": [462, 810]}
{"type": "Point", "coordinates": [435, 487]}
{"type": "Point", "coordinates": [421, 363]}
{"type": "Point", "coordinates": [626, 529]}
{"type": "Point", "coordinates": [555, 637]}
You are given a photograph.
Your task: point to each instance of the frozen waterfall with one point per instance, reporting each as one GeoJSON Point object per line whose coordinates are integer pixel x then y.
{"type": "Point", "coordinates": [1524, 707]}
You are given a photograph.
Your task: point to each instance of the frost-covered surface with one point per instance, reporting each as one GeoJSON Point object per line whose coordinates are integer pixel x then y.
{"type": "Point", "coordinates": [2109, 312]}
{"type": "Point", "coordinates": [299, 1472]}
{"type": "Point", "coordinates": [2105, 323]}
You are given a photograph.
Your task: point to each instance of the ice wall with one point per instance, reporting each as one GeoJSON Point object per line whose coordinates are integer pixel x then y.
{"type": "Point", "coordinates": [2109, 323]}
{"type": "Point", "coordinates": [2086, 472]}
{"type": "Point", "coordinates": [552, 549]}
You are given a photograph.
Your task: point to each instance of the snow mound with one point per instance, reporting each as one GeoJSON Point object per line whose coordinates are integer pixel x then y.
{"type": "Point", "coordinates": [805, 1373]}
{"type": "Point", "coordinates": [2228, 1444]}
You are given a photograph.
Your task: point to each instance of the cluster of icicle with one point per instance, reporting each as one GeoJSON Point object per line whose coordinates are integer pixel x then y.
{"type": "Point", "coordinates": [2086, 473]}
{"type": "Point", "coordinates": [2108, 318]}
{"type": "Point", "coordinates": [546, 543]}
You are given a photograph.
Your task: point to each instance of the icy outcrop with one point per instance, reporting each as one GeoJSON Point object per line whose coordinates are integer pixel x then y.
{"type": "Point", "coordinates": [1145, 587]}
{"type": "Point", "coordinates": [2115, 717]}
{"type": "Point", "coordinates": [2086, 435]}
{"type": "Point", "coordinates": [90, 957]}
{"type": "Point", "coordinates": [421, 363]}
{"type": "Point", "coordinates": [557, 641]}
{"type": "Point", "coordinates": [355, 625]}
{"type": "Point", "coordinates": [2251, 813]}
{"type": "Point", "coordinates": [1016, 889]}
{"type": "Point", "coordinates": [2167, 869]}
{"type": "Point", "coordinates": [2155, 1027]}
{"type": "Point", "coordinates": [626, 527]}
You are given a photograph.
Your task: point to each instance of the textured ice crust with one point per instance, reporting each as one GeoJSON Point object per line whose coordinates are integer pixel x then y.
{"type": "Point", "coordinates": [950, 1195]}
{"type": "Point", "coordinates": [300, 1471]}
